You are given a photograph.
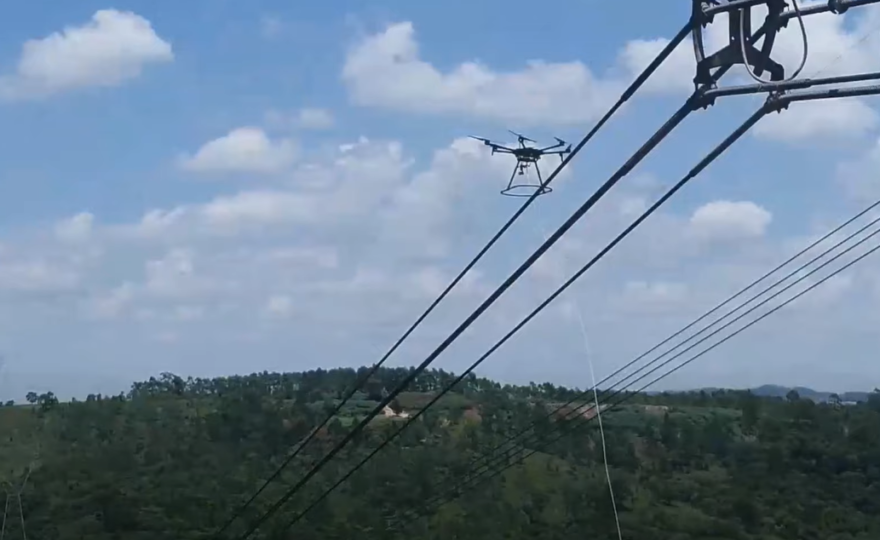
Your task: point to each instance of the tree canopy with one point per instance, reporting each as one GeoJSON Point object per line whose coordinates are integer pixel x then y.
{"type": "Point", "coordinates": [175, 457]}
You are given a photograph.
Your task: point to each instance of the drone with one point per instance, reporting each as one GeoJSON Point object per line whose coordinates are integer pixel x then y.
{"type": "Point", "coordinates": [526, 156]}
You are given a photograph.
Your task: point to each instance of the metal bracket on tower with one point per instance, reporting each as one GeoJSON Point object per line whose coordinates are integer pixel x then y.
{"type": "Point", "coordinates": [739, 14]}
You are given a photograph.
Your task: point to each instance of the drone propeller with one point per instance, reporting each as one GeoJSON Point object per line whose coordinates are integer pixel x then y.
{"type": "Point", "coordinates": [487, 142]}
{"type": "Point", "coordinates": [521, 137]}
{"type": "Point", "coordinates": [560, 141]}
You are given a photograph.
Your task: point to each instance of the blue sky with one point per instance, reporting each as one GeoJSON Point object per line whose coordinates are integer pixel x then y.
{"type": "Point", "coordinates": [214, 187]}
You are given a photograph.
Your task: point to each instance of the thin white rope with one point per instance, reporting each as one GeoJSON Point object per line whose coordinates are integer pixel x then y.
{"type": "Point", "coordinates": [20, 505]}
{"type": "Point", "coordinates": [5, 512]}
{"type": "Point", "coordinates": [596, 407]}
{"type": "Point", "coordinates": [598, 410]}
{"type": "Point", "coordinates": [869, 32]}
{"type": "Point", "coordinates": [21, 513]}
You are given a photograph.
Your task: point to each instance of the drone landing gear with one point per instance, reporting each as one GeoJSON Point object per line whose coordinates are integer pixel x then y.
{"type": "Point", "coordinates": [525, 187]}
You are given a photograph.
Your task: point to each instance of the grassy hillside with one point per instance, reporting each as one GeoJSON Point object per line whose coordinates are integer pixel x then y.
{"type": "Point", "coordinates": [173, 458]}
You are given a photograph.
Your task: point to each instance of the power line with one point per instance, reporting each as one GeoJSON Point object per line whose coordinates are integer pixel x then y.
{"type": "Point", "coordinates": [690, 105]}
{"type": "Point", "coordinates": [583, 395]}
{"type": "Point", "coordinates": [705, 162]}
{"type": "Point", "coordinates": [498, 453]}
{"type": "Point", "coordinates": [578, 214]}
{"type": "Point", "coordinates": [5, 513]}
{"type": "Point", "coordinates": [625, 96]}
{"type": "Point", "coordinates": [701, 98]}
{"type": "Point", "coordinates": [17, 493]}
{"type": "Point", "coordinates": [781, 103]}
{"type": "Point", "coordinates": [504, 457]}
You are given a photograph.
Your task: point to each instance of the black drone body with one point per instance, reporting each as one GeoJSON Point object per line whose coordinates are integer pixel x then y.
{"type": "Point", "coordinates": [526, 156]}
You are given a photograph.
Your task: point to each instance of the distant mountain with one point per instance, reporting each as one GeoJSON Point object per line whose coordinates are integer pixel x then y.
{"type": "Point", "coordinates": [775, 390]}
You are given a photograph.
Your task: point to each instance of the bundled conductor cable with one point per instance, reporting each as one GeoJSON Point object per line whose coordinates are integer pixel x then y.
{"type": "Point", "coordinates": [500, 459]}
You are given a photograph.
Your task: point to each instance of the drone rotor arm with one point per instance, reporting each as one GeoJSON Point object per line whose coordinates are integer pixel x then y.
{"type": "Point", "coordinates": [546, 150]}
{"type": "Point", "coordinates": [561, 153]}
{"type": "Point", "coordinates": [502, 149]}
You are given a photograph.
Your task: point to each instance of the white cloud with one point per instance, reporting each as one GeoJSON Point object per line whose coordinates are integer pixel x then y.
{"type": "Point", "coordinates": [279, 306]}
{"type": "Point", "coordinates": [806, 122]}
{"type": "Point", "coordinates": [675, 75]}
{"type": "Point", "coordinates": [430, 281]}
{"type": "Point", "coordinates": [114, 47]}
{"type": "Point", "coordinates": [309, 118]}
{"type": "Point", "coordinates": [259, 208]}
{"type": "Point", "coordinates": [110, 304]}
{"type": "Point", "coordinates": [385, 70]}
{"type": "Point", "coordinates": [75, 229]}
{"type": "Point", "coordinates": [725, 220]}
{"type": "Point", "coordinates": [157, 293]}
{"type": "Point", "coordinates": [271, 26]}
{"type": "Point", "coordinates": [365, 179]}
{"type": "Point", "coordinates": [652, 297]}
{"type": "Point", "coordinates": [315, 119]}
{"type": "Point", "coordinates": [36, 277]}
{"type": "Point", "coordinates": [323, 256]}
{"type": "Point", "coordinates": [186, 313]}
{"type": "Point", "coordinates": [838, 44]}
{"type": "Point", "coordinates": [828, 294]}
{"type": "Point", "coordinates": [242, 150]}
{"type": "Point", "coordinates": [420, 211]}
{"type": "Point", "coordinates": [353, 244]}
{"type": "Point", "coordinates": [174, 276]}
{"type": "Point", "coordinates": [860, 177]}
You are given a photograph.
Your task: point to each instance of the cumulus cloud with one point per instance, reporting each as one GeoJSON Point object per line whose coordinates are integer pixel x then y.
{"type": "Point", "coordinates": [365, 201]}
{"type": "Point", "coordinates": [323, 258]}
{"type": "Point", "coordinates": [314, 119]}
{"type": "Point", "coordinates": [279, 306]}
{"type": "Point", "coordinates": [363, 180]}
{"type": "Point", "coordinates": [242, 150]}
{"type": "Point", "coordinates": [730, 220]}
{"type": "Point", "coordinates": [838, 44]}
{"type": "Point", "coordinates": [174, 286]}
{"type": "Point", "coordinates": [357, 179]}
{"type": "Point", "coordinates": [76, 229]}
{"type": "Point", "coordinates": [674, 76]}
{"type": "Point", "coordinates": [386, 70]}
{"type": "Point", "coordinates": [845, 118]}
{"type": "Point", "coordinates": [389, 234]}
{"type": "Point", "coordinates": [309, 118]}
{"type": "Point", "coordinates": [112, 48]}
{"type": "Point", "coordinates": [36, 276]}
{"type": "Point", "coordinates": [860, 177]}
{"type": "Point", "coordinates": [110, 304]}
{"type": "Point", "coordinates": [41, 276]}
{"type": "Point", "coordinates": [174, 276]}
{"type": "Point", "coordinates": [656, 297]}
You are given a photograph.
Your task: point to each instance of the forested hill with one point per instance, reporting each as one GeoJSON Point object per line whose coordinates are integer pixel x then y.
{"type": "Point", "coordinates": [173, 458]}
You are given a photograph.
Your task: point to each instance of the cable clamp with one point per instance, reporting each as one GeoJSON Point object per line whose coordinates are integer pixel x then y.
{"type": "Point", "coordinates": [775, 102]}
{"type": "Point", "coordinates": [837, 7]}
